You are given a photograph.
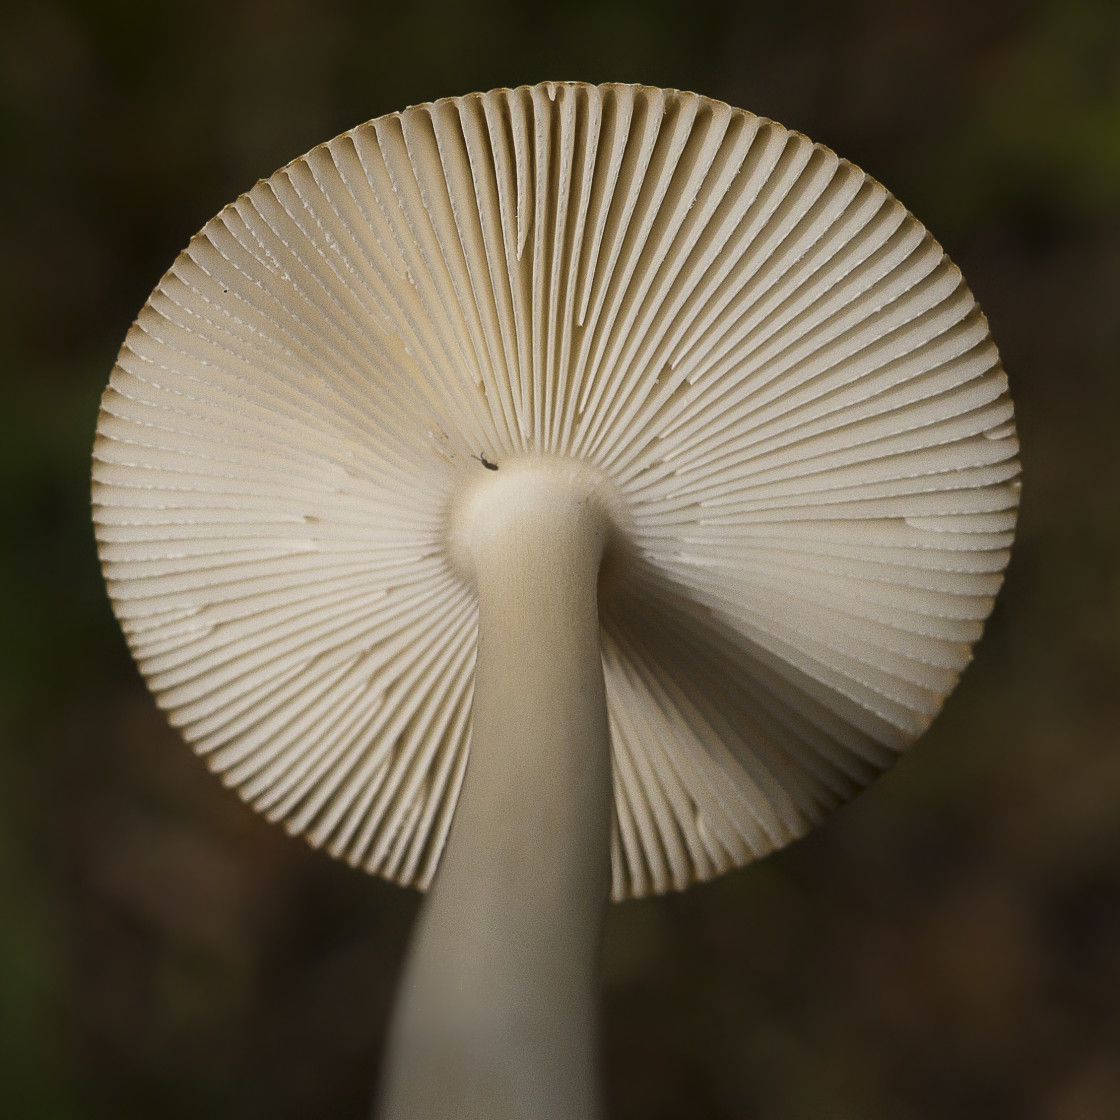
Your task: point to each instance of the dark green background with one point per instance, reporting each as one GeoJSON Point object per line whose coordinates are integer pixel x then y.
{"type": "Point", "coordinates": [949, 946]}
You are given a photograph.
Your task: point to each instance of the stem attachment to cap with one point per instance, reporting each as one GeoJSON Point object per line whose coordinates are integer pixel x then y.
{"type": "Point", "coordinates": [497, 1016]}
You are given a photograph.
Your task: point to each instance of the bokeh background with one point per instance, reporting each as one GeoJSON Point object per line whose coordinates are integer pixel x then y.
{"type": "Point", "coordinates": [949, 946]}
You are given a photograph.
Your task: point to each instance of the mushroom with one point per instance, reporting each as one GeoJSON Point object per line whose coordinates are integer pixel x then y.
{"type": "Point", "coordinates": [642, 445]}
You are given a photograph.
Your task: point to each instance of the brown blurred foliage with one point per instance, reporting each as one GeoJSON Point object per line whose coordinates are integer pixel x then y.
{"type": "Point", "coordinates": [948, 946]}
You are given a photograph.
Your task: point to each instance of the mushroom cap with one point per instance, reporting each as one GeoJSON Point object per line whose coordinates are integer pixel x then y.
{"type": "Point", "coordinates": [785, 383]}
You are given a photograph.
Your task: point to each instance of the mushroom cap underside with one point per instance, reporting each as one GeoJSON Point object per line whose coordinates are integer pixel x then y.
{"type": "Point", "coordinates": [786, 384]}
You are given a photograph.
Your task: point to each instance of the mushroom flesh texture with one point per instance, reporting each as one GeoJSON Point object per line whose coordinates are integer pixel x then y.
{"type": "Point", "coordinates": [652, 450]}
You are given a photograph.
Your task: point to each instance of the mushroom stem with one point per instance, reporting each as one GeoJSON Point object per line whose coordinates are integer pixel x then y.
{"type": "Point", "coordinates": [497, 1017]}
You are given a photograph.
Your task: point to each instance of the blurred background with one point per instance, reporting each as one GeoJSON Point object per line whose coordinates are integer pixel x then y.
{"type": "Point", "coordinates": [948, 946]}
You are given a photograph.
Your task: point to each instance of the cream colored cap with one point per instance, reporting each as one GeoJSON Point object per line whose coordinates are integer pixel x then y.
{"type": "Point", "coordinates": [783, 381]}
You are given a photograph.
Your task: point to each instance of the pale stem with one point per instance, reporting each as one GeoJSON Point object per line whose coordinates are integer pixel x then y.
{"type": "Point", "coordinates": [497, 1013]}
